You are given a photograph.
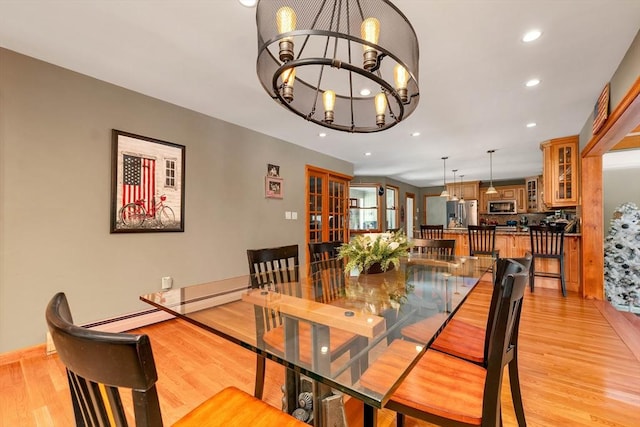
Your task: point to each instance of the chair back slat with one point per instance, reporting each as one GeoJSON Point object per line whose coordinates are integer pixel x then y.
{"type": "Point", "coordinates": [441, 247]}
{"type": "Point", "coordinates": [275, 269]}
{"type": "Point", "coordinates": [431, 231]}
{"type": "Point", "coordinates": [98, 363]}
{"type": "Point", "coordinates": [482, 240]}
{"type": "Point", "coordinates": [273, 266]}
{"type": "Point", "coordinates": [324, 250]}
{"type": "Point", "coordinates": [327, 270]}
{"type": "Point", "coordinates": [546, 240]}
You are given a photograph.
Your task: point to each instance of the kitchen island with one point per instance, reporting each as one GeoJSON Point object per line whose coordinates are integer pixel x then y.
{"type": "Point", "coordinates": [514, 243]}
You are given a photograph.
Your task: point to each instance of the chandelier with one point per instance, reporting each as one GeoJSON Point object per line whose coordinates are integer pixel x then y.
{"type": "Point", "coordinates": [349, 65]}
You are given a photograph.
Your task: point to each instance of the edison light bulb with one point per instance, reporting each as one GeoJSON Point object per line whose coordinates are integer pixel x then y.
{"type": "Point", "coordinates": [381, 106]}
{"type": "Point", "coordinates": [329, 101]}
{"type": "Point", "coordinates": [286, 21]}
{"type": "Point", "coordinates": [401, 77]}
{"type": "Point", "coordinates": [288, 77]}
{"type": "Point", "coordinates": [370, 31]}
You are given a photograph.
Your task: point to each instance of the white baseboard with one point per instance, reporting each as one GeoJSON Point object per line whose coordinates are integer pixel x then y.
{"type": "Point", "coordinates": [127, 322]}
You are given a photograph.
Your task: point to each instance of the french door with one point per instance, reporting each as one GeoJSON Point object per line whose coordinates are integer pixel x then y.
{"type": "Point", "coordinates": [327, 206]}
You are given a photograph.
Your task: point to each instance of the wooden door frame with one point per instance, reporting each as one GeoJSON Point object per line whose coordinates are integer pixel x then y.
{"type": "Point", "coordinates": [621, 121]}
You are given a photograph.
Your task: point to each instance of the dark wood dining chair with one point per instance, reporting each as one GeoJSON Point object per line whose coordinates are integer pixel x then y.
{"type": "Point", "coordinates": [467, 341]}
{"type": "Point", "coordinates": [449, 391]}
{"type": "Point", "coordinates": [431, 231]}
{"type": "Point", "coordinates": [440, 247]}
{"type": "Point", "coordinates": [278, 269]}
{"type": "Point", "coordinates": [547, 242]}
{"type": "Point", "coordinates": [327, 271]}
{"type": "Point", "coordinates": [101, 364]}
{"type": "Point", "coordinates": [482, 240]}
{"type": "Point", "coordinates": [328, 281]}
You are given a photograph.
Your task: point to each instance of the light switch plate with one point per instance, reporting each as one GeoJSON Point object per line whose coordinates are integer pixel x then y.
{"type": "Point", "coordinates": [294, 215]}
{"type": "Point", "coordinates": [287, 215]}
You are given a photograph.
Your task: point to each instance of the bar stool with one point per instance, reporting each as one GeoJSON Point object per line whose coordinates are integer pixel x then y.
{"type": "Point", "coordinates": [547, 242]}
{"type": "Point", "coordinates": [431, 231]}
{"type": "Point", "coordinates": [482, 240]}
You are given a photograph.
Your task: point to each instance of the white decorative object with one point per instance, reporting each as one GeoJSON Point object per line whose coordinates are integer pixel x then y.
{"type": "Point", "coordinates": [622, 259]}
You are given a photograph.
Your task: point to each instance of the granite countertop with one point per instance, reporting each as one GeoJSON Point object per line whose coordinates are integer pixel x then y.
{"type": "Point", "coordinates": [504, 230]}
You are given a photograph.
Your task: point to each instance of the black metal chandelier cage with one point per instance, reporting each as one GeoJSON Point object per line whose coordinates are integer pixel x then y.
{"type": "Point", "coordinates": [349, 65]}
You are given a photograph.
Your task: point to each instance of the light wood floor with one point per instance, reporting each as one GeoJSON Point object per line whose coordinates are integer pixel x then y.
{"type": "Point", "coordinates": [575, 370]}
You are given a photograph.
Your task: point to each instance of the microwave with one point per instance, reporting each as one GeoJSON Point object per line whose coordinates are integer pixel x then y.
{"type": "Point", "coordinates": [502, 207]}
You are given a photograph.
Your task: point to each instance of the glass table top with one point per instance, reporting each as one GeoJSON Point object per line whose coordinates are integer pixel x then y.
{"type": "Point", "coordinates": [309, 325]}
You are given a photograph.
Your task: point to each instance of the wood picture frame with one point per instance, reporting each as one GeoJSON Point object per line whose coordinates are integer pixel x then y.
{"type": "Point", "coordinates": [147, 184]}
{"type": "Point", "coordinates": [273, 188]}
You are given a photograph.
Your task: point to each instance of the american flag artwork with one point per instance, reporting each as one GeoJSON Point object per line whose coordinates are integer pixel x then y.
{"type": "Point", "coordinates": [138, 181]}
{"type": "Point", "coordinates": [601, 110]}
{"type": "Point", "coordinates": [147, 184]}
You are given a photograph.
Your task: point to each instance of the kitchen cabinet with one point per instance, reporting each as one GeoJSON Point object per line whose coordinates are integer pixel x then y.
{"type": "Point", "coordinates": [505, 192]}
{"type": "Point", "coordinates": [560, 172]}
{"type": "Point", "coordinates": [469, 190]}
{"type": "Point", "coordinates": [533, 194]}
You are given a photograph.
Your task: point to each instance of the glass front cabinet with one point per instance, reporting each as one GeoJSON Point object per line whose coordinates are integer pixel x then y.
{"type": "Point", "coordinates": [560, 172]}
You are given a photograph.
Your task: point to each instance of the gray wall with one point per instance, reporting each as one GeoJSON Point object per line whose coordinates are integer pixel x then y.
{"type": "Point", "coordinates": [621, 81]}
{"type": "Point", "coordinates": [55, 148]}
{"type": "Point", "coordinates": [619, 186]}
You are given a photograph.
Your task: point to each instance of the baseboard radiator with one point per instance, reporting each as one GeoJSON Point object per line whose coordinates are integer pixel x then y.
{"type": "Point", "coordinates": [139, 319]}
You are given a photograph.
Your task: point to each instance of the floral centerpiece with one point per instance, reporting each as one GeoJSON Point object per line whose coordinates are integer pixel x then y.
{"type": "Point", "coordinates": [374, 253]}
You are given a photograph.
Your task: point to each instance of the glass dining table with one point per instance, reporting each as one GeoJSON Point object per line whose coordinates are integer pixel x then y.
{"type": "Point", "coordinates": [370, 310]}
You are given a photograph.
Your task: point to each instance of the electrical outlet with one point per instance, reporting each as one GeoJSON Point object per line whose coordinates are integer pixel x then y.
{"type": "Point", "coordinates": [167, 282]}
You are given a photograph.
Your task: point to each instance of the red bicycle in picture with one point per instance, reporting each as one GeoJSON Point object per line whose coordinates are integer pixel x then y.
{"type": "Point", "coordinates": [135, 214]}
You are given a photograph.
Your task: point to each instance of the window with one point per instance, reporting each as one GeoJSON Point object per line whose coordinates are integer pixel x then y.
{"type": "Point", "coordinates": [363, 207]}
{"type": "Point", "coordinates": [170, 173]}
{"type": "Point", "coordinates": [392, 208]}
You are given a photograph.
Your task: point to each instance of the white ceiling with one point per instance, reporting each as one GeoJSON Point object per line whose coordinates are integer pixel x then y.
{"type": "Point", "coordinates": [201, 55]}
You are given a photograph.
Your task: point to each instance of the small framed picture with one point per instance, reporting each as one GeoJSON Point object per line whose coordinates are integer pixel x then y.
{"type": "Point", "coordinates": [273, 170]}
{"type": "Point", "coordinates": [273, 188]}
{"type": "Point", "coordinates": [353, 203]}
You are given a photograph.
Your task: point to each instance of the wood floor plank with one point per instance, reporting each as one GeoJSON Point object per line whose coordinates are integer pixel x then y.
{"type": "Point", "coordinates": [575, 370]}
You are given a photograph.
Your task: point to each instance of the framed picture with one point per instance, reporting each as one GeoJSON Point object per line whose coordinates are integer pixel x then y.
{"type": "Point", "coordinates": [273, 170]}
{"type": "Point", "coordinates": [273, 187]}
{"type": "Point", "coordinates": [353, 203]}
{"type": "Point", "coordinates": [147, 184]}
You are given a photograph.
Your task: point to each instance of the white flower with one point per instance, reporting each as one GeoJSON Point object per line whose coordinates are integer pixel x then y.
{"type": "Point", "coordinates": [394, 245]}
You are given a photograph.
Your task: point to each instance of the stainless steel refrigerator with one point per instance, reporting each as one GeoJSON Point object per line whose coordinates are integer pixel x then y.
{"type": "Point", "coordinates": [462, 214]}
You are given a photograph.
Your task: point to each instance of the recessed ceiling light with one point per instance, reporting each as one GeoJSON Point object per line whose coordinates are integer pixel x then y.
{"type": "Point", "coordinates": [367, 154]}
{"type": "Point", "coordinates": [322, 134]}
{"type": "Point", "coordinates": [531, 36]}
{"type": "Point", "coordinates": [533, 82]}
{"type": "Point", "coordinates": [531, 125]}
{"type": "Point", "coordinates": [365, 92]}
{"type": "Point", "coordinates": [415, 134]}
{"type": "Point", "coordinates": [248, 3]}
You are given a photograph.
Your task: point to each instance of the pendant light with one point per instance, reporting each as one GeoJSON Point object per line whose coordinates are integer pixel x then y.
{"type": "Point", "coordinates": [454, 198]}
{"type": "Point", "coordinates": [491, 189]}
{"type": "Point", "coordinates": [444, 193]}
{"type": "Point", "coordinates": [461, 201]}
